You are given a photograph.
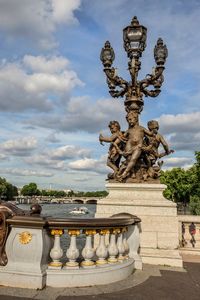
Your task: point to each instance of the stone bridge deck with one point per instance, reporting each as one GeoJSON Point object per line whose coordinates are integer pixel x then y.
{"type": "Point", "coordinates": [153, 282]}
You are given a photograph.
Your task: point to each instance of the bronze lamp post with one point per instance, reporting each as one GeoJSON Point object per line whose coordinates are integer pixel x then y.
{"type": "Point", "coordinates": [133, 154]}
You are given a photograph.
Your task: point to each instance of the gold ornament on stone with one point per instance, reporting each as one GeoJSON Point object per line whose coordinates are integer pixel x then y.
{"type": "Point", "coordinates": [90, 231]}
{"type": "Point", "coordinates": [104, 231]}
{"type": "Point", "coordinates": [56, 232]}
{"type": "Point", "coordinates": [116, 230]}
{"type": "Point", "coordinates": [73, 232]}
{"type": "Point", "coordinates": [87, 263]}
{"type": "Point", "coordinates": [55, 264]}
{"type": "Point", "coordinates": [25, 237]}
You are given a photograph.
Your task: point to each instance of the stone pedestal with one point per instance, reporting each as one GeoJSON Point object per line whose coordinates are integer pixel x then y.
{"type": "Point", "coordinates": [159, 227]}
{"type": "Point", "coordinates": [27, 250]}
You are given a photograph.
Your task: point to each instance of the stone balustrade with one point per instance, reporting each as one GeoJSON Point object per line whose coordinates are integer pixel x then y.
{"type": "Point", "coordinates": [189, 234]}
{"type": "Point", "coordinates": [44, 251]}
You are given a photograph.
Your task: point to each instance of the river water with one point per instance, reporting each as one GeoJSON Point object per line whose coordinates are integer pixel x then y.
{"type": "Point", "coordinates": [63, 210]}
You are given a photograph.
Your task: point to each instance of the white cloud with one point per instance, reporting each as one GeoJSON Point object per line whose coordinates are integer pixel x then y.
{"type": "Point", "coordinates": [56, 158]}
{"type": "Point", "coordinates": [26, 172]}
{"type": "Point", "coordinates": [183, 130]}
{"type": "Point", "coordinates": [63, 11]}
{"type": "Point", "coordinates": [36, 20]}
{"type": "Point", "coordinates": [82, 179]}
{"type": "Point", "coordinates": [52, 138]}
{"type": "Point", "coordinates": [3, 157]}
{"type": "Point", "coordinates": [19, 147]}
{"type": "Point", "coordinates": [82, 114]}
{"type": "Point", "coordinates": [51, 83]}
{"type": "Point", "coordinates": [180, 122]}
{"type": "Point", "coordinates": [45, 161]}
{"type": "Point", "coordinates": [89, 164]}
{"type": "Point", "coordinates": [30, 89]}
{"type": "Point", "coordinates": [42, 64]}
{"type": "Point", "coordinates": [69, 151]}
{"type": "Point", "coordinates": [178, 162]}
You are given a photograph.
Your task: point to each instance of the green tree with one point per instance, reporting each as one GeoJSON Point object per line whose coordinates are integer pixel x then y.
{"type": "Point", "coordinates": [44, 193]}
{"type": "Point", "coordinates": [7, 190]}
{"type": "Point", "coordinates": [60, 194]}
{"type": "Point", "coordinates": [11, 191]}
{"type": "Point", "coordinates": [195, 205]}
{"type": "Point", "coordinates": [30, 189]}
{"type": "Point", "coordinates": [179, 185]}
{"type": "Point", "coordinates": [70, 193]}
{"type": "Point", "coordinates": [96, 194]}
{"type": "Point", "coordinates": [3, 187]}
{"type": "Point", "coordinates": [194, 173]}
{"type": "Point", "coordinates": [184, 185]}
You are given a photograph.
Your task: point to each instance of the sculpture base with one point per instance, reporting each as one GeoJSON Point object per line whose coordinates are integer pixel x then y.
{"type": "Point", "coordinates": [159, 227]}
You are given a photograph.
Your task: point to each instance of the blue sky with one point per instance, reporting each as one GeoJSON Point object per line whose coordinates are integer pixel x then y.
{"type": "Point", "coordinates": [54, 99]}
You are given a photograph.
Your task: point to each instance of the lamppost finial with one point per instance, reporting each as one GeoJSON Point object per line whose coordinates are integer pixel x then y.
{"type": "Point", "coordinates": [134, 21]}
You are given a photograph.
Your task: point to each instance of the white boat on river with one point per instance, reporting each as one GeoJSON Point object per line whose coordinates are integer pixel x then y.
{"type": "Point", "coordinates": [79, 211]}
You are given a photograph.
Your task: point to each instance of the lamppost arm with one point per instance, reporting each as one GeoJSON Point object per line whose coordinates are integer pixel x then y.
{"type": "Point", "coordinates": [114, 81]}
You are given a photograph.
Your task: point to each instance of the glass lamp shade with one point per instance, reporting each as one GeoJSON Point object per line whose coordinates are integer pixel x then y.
{"type": "Point", "coordinates": [160, 52]}
{"type": "Point", "coordinates": [107, 55]}
{"type": "Point", "coordinates": [134, 37]}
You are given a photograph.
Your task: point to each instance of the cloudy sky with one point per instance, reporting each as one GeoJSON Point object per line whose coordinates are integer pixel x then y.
{"type": "Point", "coordinates": [54, 99]}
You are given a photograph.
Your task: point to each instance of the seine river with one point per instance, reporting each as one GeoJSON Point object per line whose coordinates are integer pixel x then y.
{"type": "Point", "coordinates": [63, 210]}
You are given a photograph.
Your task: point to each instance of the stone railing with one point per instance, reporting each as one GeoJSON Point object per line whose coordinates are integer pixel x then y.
{"type": "Point", "coordinates": [189, 234]}
{"type": "Point", "coordinates": [70, 252]}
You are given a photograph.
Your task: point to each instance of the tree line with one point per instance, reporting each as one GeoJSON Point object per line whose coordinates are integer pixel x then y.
{"type": "Point", "coordinates": [31, 189]}
{"type": "Point", "coordinates": [9, 191]}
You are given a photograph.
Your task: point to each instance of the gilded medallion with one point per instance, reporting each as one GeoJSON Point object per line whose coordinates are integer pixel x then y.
{"type": "Point", "coordinates": [25, 237]}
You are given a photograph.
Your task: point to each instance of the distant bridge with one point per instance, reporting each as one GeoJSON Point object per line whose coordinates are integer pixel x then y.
{"type": "Point", "coordinates": [49, 200]}
{"type": "Point", "coordinates": [78, 200]}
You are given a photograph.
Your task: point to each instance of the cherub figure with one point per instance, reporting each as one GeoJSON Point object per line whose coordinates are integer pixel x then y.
{"type": "Point", "coordinates": [117, 141]}
{"type": "Point", "coordinates": [151, 146]}
{"type": "Point", "coordinates": [134, 145]}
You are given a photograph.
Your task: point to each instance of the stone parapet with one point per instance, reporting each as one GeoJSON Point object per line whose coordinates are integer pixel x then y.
{"type": "Point", "coordinates": [36, 257]}
{"type": "Point", "coordinates": [159, 226]}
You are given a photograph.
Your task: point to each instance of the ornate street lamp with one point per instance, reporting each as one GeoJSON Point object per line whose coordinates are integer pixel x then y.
{"type": "Point", "coordinates": [133, 154]}
{"type": "Point", "coordinates": [134, 37]}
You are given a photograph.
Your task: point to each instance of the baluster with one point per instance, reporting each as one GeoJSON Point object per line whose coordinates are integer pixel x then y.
{"type": "Point", "coordinates": [120, 246]}
{"type": "Point", "coordinates": [112, 248]}
{"type": "Point", "coordinates": [72, 252]}
{"type": "Point", "coordinates": [56, 252]}
{"type": "Point", "coordinates": [125, 243]}
{"type": "Point", "coordinates": [88, 252]}
{"type": "Point", "coordinates": [101, 250]}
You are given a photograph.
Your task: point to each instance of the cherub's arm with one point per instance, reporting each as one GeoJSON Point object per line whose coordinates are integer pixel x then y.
{"type": "Point", "coordinates": [122, 137]}
{"type": "Point", "coordinates": [147, 132]}
{"type": "Point", "coordinates": [164, 143]}
{"type": "Point", "coordinates": [116, 145]}
{"type": "Point", "coordinates": [126, 134]}
{"type": "Point", "coordinates": [107, 139]}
